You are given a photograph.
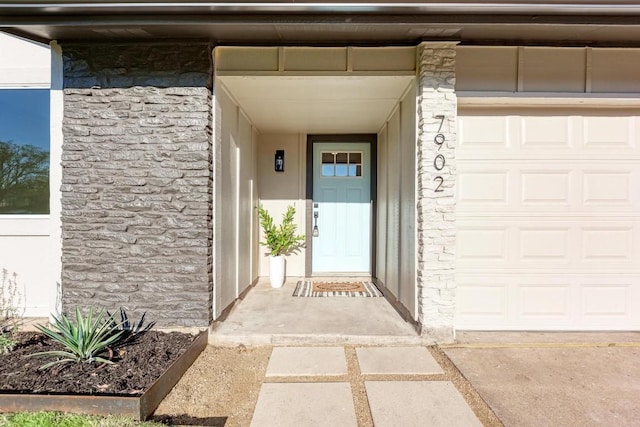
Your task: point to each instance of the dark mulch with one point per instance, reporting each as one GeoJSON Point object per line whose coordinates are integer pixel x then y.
{"type": "Point", "coordinates": [138, 363]}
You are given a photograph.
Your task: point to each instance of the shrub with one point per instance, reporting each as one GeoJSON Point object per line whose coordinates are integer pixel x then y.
{"type": "Point", "coordinates": [11, 310]}
{"type": "Point", "coordinates": [280, 240]}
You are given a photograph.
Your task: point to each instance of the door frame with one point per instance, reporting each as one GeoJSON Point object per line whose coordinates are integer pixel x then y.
{"type": "Point", "coordinates": [367, 138]}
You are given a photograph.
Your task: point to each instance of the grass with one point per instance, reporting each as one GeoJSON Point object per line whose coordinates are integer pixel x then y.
{"type": "Point", "coordinates": [58, 419]}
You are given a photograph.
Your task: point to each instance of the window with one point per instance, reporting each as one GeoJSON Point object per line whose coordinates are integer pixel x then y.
{"type": "Point", "coordinates": [341, 164]}
{"type": "Point", "coordinates": [24, 151]}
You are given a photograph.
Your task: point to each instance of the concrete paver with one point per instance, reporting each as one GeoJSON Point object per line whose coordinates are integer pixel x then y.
{"type": "Point", "coordinates": [397, 360]}
{"type": "Point", "coordinates": [418, 403]}
{"type": "Point", "coordinates": [307, 361]}
{"type": "Point", "coordinates": [304, 404]}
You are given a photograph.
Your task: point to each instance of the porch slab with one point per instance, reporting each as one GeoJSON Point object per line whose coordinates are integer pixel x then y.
{"type": "Point", "coordinates": [307, 361]}
{"type": "Point", "coordinates": [418, 403]}
{"type": "Point", "coordinates": [304, 404]}
{"type": "Point", "coordinates": [397, 360]}
{"type": "Point", "coordinates": [268, 316]}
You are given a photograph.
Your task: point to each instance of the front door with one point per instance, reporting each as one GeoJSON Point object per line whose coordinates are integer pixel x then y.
{"type": "Point", "coordinates": [341, 208]}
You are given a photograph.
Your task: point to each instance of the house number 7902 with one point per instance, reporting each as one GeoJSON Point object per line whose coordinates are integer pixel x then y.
{"type": "Point", "coordinates": [439, 161]}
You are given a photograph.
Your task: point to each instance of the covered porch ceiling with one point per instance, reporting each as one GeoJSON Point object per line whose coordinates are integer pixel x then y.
{"type": "Point", "coordinates": [317, 104]}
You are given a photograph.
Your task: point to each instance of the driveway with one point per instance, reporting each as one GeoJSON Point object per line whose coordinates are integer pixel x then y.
{"type": "Point", "coordinates": [554, 379]}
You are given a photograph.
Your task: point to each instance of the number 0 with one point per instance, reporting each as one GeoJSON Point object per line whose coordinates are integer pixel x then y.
{"type": "Point", "coordinates": [439, 162]}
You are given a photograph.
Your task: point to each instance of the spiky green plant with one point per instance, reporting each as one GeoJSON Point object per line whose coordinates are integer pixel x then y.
{"type": "Point", "coordinates": [83, 341]}
{"type": "Point", "coordinates": [281, 240]}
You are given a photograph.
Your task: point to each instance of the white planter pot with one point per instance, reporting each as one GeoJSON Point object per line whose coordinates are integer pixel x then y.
{"type": "Point", "coordinates": [276, 271]}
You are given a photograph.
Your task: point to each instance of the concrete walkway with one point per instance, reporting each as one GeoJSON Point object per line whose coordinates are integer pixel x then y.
{"type": "Point", "coordinates": [554, 379]}
{"type": "Point", "coordinates": [340, 386]}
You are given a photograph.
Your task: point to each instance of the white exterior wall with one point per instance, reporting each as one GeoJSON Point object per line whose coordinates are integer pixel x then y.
{"type": "Point", "coordinates": [235, 218]}
{"type": "Point", "coordinates": [30, 244]}
{"type": "Point", "coordinates": [395, 252]}
{"type": "Point", "coordinates": [23, 64]}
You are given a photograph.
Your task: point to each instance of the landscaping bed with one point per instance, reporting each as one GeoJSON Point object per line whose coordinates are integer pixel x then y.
{"type": "Point", "coordinates": [146, 367]}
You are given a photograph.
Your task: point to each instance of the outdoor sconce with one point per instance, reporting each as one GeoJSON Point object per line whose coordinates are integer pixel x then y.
{"type": "Point", "coordinates": [279, 161]}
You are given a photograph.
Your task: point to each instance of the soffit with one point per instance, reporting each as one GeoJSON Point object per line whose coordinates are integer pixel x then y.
{"type": "Point", "coordinates": [304, 22]}
{"type": "Point", "coordinates": [366, 34]}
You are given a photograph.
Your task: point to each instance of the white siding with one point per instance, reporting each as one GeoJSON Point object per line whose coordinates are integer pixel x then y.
{"type": "Point", "coordinates": [23, 63]}
{"type": "Point", "coordinates": [234, 204]}
{"type": "Point", "coordinates": [395, 254]}
{"type": "Point", "coordinates": [30, 244]}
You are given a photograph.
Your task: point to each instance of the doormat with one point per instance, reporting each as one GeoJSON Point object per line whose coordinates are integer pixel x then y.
{"type": "Point", "coordinates": [310, 288]}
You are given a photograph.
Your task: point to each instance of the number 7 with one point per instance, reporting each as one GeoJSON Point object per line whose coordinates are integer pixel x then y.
{"type": "Point", "coordinates": [441, 117]}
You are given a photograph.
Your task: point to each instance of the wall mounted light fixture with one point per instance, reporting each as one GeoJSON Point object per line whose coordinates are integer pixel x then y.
{"type": "Point", "coordinates": [279, 161]}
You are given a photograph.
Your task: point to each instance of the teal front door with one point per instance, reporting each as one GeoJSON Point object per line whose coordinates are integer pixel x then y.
{"type": "Point", "coordinates": [341, 208]}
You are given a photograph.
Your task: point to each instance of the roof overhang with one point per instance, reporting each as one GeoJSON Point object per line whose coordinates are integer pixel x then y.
{"type": "Point", "coordinates": [309, 22]}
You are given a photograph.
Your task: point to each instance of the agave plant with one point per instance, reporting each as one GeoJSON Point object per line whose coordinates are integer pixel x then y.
{"type": "Point", "coordinates": [83, 341]}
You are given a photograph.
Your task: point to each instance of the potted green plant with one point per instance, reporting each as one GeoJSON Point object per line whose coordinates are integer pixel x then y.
{"type": "Point", "coordinates": [280, 240]}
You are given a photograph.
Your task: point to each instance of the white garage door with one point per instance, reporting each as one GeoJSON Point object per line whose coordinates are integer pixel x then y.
{"type": "Point", "coordinates": [548, 219]}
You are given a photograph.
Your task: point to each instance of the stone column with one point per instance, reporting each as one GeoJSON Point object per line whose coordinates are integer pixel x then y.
{"type": "Point", "coordinates": [137, 180]}
{"type": "Point", "coordinates": [436, 176]}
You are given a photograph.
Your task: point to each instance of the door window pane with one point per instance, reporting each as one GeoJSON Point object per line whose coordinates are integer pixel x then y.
{"type": "Point", "coordinates": [341, 170]}
{"type": "Point", "coordinates": [328, 164]}
{"type": "Point", "coordinates": [342, 157]}
{"type": "Point", "coordinates": [342, 164]}
{"type": "Point", "coordinates": [328, 170]}
{"type": "Point", "coordinates": [24, 151]}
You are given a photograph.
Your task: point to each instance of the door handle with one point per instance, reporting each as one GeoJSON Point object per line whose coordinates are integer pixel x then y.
{"type": "Point", "coordinates": [315, 232]}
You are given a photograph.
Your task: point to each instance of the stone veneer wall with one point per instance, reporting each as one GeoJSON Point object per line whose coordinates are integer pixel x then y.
{"type": "Point", "coordinates": [436, 209]}
{"type": "Point", "coordinates": [137, 180]}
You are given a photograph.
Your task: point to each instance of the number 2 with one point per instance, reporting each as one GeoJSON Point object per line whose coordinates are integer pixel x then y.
{"type": "Point", "coordinates": [441, 181]}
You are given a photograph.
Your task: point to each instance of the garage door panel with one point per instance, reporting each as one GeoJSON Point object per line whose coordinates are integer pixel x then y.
{"type": "Point", "coordinates": [510, 244]}
{"type": "Point", "coordinates": [608, 187]}
{"type": "Point", "coordinates": [546, 133]}
{"type": "Point", "coordinates": [613, 243]}
{"type": "Point", "coordinates": [544, 244]}
{"type": "Point", "coordinates": [548, 302]}
{"type": "Point", "coordinates": [484, 132]}
{"type": "Point", "coordinates": [483, 244]}
{"type": "Point", "coordinates": [529, 187]}
{"type": "Point", "coordinates": [548, 219]}
{"type": "Point", "coordinates": [543, 301]}
{"type": "Point", "coordinates": [610, 132]}
{"type": "Point", "coordinates": [606, 300]}
{"type": "Point", "coordinates": [482, 299]}
{"type": "Point", "coordinates": [545, 187]}
{"type": "Point", "coordinates": [584, 134]}
{"type": "Point", "coordinates": [486, 187]}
